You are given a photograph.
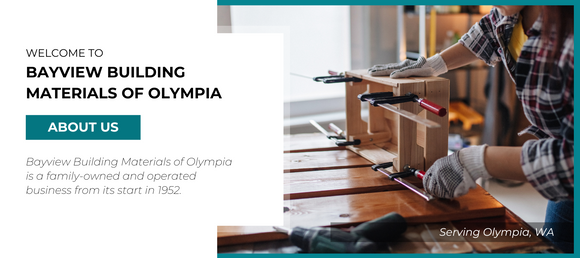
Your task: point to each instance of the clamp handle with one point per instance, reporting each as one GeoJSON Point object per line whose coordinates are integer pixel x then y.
{"type": "Point", "coordinates": [432, 107]}
{"type": "Point", "coordinates": [420, 174]}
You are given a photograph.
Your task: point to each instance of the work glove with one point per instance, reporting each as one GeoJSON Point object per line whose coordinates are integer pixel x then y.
{"type": "Point", "coordinates": [452, 176]}
{"type": "Point", "coordinates": [432, 66]}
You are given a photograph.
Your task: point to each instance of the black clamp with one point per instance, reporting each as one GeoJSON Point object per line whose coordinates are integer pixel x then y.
{"type": "Point", "coordinates": [336, 78]}
{"type": "Point", "coordinates": [392, 176]}
{"type": "Point", "coordinates": [345, 143]}
{"type": "Point", "coordinates": [405, 173]}
{"type": "Point", "coordinates": [378, 98]}
{"type": "Point", "coordinates": [382, 165]}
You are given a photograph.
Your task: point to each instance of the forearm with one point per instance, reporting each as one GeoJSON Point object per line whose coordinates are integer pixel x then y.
{"type": "Point", "coordinates": [457, 56]}
{"type": "Point", "coordinates": [504, 162]}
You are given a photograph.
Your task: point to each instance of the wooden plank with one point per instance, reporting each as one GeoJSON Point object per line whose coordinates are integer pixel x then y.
{"type": "Point", "coordinates": [363, 74]}
{"type": "Point", "coordinates": [235, 235]}
{"type": "Point", "coordinates": [408, 152]}
{"type": "Point", "coordinates": [426, 238]}
{"type": "Point", "coordinates": [377, 122]}
{"type": "Point", "coordinates": [348, 210]}
{"type": "Point", "coordinates": [392, 120]}
{"type": "Point", "coordinates": [371, 138]}
{"type": "Point", "coordinates": [354, 123]}
{"type": "Point", "coordinates": [339, 182]}
{"type": "Point", "coordinates": [323, 160]}
{"type": "Point", "coordinates": [373, 153]}
{"type": "Point", "coordinates": [489, 244]}
{"type": "Point", "coordinates": [308, 142]}
{"type": "Point", "coordinates": [357, 208]}
{"type": "Point", "coordinates": [436, 139]}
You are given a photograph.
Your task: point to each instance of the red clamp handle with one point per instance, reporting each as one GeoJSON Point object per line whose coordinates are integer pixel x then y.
{"type": "Point", "coordinates": [432, 107]}
{"type": "Point", "coordinates": [419, 174]}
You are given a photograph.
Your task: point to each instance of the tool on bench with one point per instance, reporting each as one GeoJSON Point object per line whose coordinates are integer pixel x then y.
{"type": "Point", "coordinates": [336, 78]}
{"type": "Point", "coordinates": [338, 139]}
{"type": "Point", "coordinates": [386, 99]}
{"type": "Point", "coordinates": [408, 171]}
{"type": "Point", "coordinates": [336, 130]}
{"type": "Point", "coordinates": [365, 238]}
{"type": "Point", "coordinates": [398, 177]}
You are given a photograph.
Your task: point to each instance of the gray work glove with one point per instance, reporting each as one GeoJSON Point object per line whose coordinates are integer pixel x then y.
{"type": "Point", "coordinates": [433, 66]}
{"type": "Point", "coordinates": [452, 176]}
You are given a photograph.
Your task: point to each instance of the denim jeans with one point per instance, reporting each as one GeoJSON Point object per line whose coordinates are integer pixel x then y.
{"type": "Point", "coordinates": [560, 219]}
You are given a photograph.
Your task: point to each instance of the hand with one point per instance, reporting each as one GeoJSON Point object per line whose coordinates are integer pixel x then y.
{"type": "Point", "coordinates": [433, 66]}
{"type": "Point", "coordinates": [452, 176]}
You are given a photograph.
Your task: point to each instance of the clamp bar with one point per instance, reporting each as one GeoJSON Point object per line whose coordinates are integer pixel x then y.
{"type": "Point", "coordinates": [411, 116]}
{"type": "Point", "coordinates": [336, 130]}
{"type": "Point", "coordinates": [413, 188]}
{"type": "Point", "coordinates": [338, 140]}
{"type": "Point", "coordinates": [385, 99]}
{"type": "Point", "coordinates": [380, 98]}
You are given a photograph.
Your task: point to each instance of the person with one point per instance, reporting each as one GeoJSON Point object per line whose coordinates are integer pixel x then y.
{"type": "Point", "coordinates": [536, 46]}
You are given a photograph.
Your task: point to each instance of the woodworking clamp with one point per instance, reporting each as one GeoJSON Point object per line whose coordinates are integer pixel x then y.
{"type": "Point", "coordinates": [339, 139]}
{"type": "Point", "coordinates": [398, 177]}
{"type": "Point", "coordinates": [336, 78]}
{"type": "Point", "coordinates": [386, 100]}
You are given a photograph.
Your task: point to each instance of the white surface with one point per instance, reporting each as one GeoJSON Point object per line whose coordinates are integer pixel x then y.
{"type": "Point", "coordinates": [523, 200]}
{"type": "Point", "coordinates": [141, 33]}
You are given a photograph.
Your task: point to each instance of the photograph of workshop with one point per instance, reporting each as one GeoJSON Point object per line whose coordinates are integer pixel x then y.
{"type": "Point", "coordinates": [420, 129]}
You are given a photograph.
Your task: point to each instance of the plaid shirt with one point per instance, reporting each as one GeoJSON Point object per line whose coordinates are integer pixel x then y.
{"type": "Point", "coordinates": [547, 98]}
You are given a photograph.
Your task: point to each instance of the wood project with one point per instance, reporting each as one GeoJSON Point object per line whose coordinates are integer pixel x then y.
{"type": "Point", "coordinates": [389, 137]}
{"type": "Point", "coordinates": [331, 186]}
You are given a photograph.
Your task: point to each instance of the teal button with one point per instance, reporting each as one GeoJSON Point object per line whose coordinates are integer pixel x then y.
{"type": "Point", "coordinates": [83, 127]}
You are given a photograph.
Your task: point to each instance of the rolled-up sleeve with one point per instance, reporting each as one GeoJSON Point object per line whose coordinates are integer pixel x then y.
{"type": "Point", "coordinates": [481, 40]}
{"type": "Point", "coordinates": [549, 164]}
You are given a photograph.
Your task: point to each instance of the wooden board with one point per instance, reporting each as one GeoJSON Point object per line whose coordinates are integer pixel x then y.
{"type": "Point", "coordinates": [409, 153]}
{"type": "Point", "coordinates": [311, 161]}
{"type": "Point", "coordinates": [354, 123]}
{"type": "Point", "coordinates": [364, 74]}
{"type": "Point", "coordinates": [233, 235]}
{"type": "Point", "coordinates": [348, 210]}
{"type": "Point", "coordinates": [357, 208]}
{"type": "Point", "coordinates": [377, 122]}
{"type": "Point", "coordinates": [309, 142]}
{"type": "Point", "coordinates": [339, 182]}
{"type": "Point", "coordinates": [373, 153]}
{"type": "Point", "coordinates": [426, 238]}
{"type": "Point", "coordinates": [489, 244]}
{"type": "Point", "coordinates": [436, 91]}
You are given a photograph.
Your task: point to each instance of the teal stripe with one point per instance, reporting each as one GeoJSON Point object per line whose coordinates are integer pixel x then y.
{"type": "Point", "coordinates": [95, 127]}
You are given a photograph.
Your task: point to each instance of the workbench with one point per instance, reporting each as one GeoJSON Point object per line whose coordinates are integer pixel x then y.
{"type": "Point", "coordinates": [322, 180]}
